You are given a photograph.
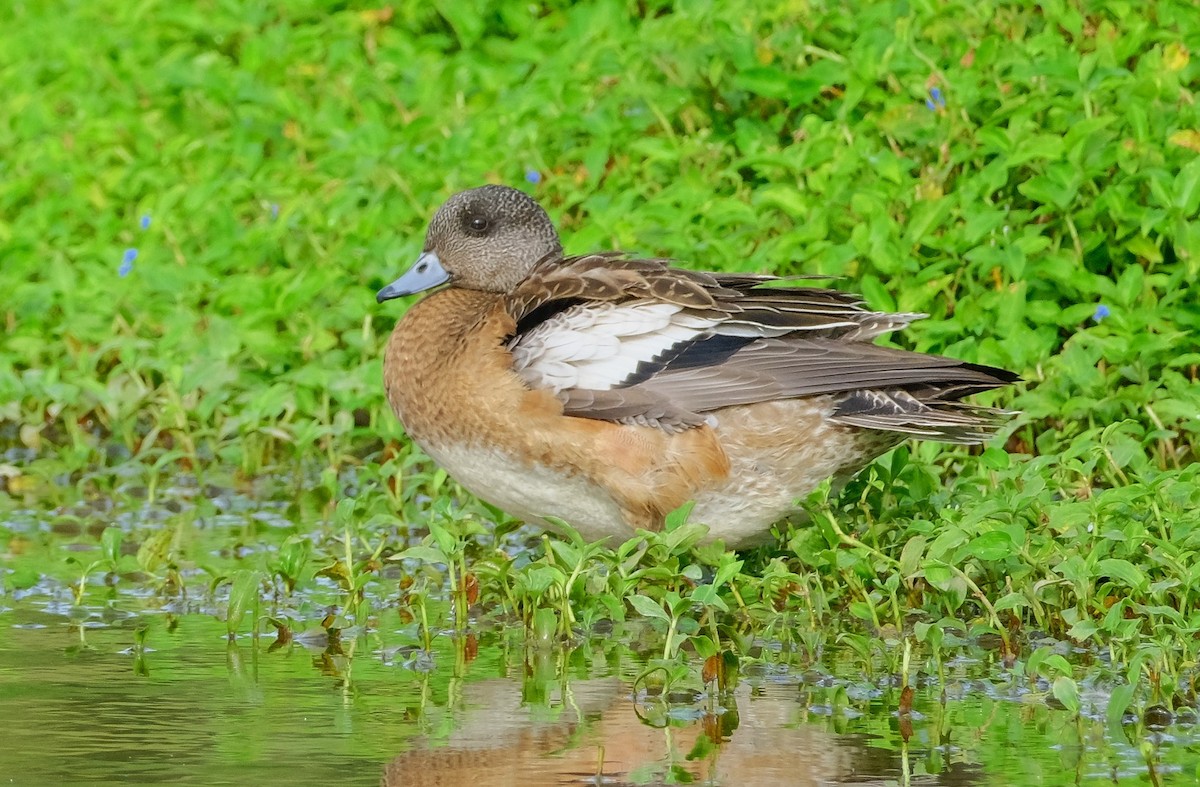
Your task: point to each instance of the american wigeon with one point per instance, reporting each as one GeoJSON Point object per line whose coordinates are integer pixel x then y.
{"type": "Point", "coordinates": [607, 390]}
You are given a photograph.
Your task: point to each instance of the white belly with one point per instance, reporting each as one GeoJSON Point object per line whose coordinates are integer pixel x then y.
{"type": "Point", "coordinates": [533, 492]}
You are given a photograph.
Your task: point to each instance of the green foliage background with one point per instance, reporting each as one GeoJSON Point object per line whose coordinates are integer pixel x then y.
{"type": "Point", "coordinates": [289, 155]}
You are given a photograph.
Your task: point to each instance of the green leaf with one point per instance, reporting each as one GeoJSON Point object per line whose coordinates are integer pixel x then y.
{"type": "Point", "coordinates": [1036, 146]}
{"type": "Point", "coordinates": [764, 81]}
{"type": "Point", "coordinates": [676, 604]}
{"type": "Point", "coordinates": [945, 579]}
{"type": "Point", "coordinates": [293, 555]}
{"type": "Point", "coordinates": [861, 610]}
{"type": "Point", "coordinates": [926, 216]}
{"type": "Point", "coordinates": [1118, 703]}
{"type": "Point", "coordinates": [678, 517]}
{"type": "Point", "coordinates": [910, 556]}
{"type": "Point", "coordinates": [729, 568]}
{"type": "Point", "coordinates": [1187, 188]}
{"type": "Point", "coordinates": [1056, 664]}
{"type": "Point", "coordinates": [465, 18]}
{"type": "Point", "coordinates": [1130, 285]}
{"type": "Point", "coordinates": [1145, 248]}
{"type": "Point", "coordinates": [1123, 571]}
{"type": "Point", "coordinates": [422, 553]}
{"type": "Point", "coordinates": [343, 515]}
{"type": "Point", "coordinates": [684, 537]}
{"type": "Point", "coordinates": [1083, 630]}
{"type": "Point", "coordinates": [931, 634]}
{"type": "Point", "coordinates": [539, 578]}
{"type": "Point", "coordinates": [155, 551]}
{"type": "Point", "coordinates": [110, 544]}
{"type": "Point", "coordinates": [1012, 600]}
{"type": "Point", "coordinates": [442, 536]}
{"type": "Point", "coordinates": [1033, 664]}
{"type": "Point", "coordinates": [707, 596]}
{"type": "Point", "coordinates": [243, 597]}
{"type": "Point", "coordinates": [947, 540]}
{"type": "Point", "coordinates": [1066, 692]}
{"type": "Point", "coordinates": [648, 608]}
{"type": "Point", "coordinates": [1057, 187]}
{"type": "Point", "coordinates": [564, 528]}
{"type": "Point", "coordinates": [775, 83]}
{"type": "Point", "coordinates": [22, 578]}
{"type": "Point", "coordinates": [995, 458]}
{"type": "Point", "coordinates": [1075, 569]}
{"type": "Point", "coordinates": [939, 575]}
{"type": "Point", "coordinates": [876, 294]}
{"type": "Point", "coordinates": [993, 545]}
{"type": "Point", "coordinates": [568, 554]}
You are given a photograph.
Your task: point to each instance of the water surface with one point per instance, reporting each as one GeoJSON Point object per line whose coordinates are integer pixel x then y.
{"type": "Point", "coordinates": [81, 705]}
{"type": "Point", "coordinates": [136, 681]}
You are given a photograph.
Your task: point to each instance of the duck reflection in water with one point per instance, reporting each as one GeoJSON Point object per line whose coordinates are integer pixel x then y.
{"type": "Point", "coordinates": [601, 737]}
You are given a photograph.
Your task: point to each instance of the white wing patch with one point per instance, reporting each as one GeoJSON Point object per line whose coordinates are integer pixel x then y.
{"type": "Point", "coordinates": [598, 346]}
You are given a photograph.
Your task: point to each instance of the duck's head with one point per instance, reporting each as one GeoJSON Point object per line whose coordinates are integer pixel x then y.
{"type": "Point", "coordinates": [487, 238]}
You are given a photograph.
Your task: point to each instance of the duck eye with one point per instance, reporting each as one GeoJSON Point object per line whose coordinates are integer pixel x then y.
{"type": "Point", "coordinates": [479, 224]}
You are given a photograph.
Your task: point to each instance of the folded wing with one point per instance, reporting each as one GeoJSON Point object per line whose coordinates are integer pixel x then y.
{"type": "Point", "coordinates": [637, 341]}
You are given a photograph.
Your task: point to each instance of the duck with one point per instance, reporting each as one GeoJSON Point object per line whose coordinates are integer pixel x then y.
{"type": "Point", "coordinates": [608, 390]}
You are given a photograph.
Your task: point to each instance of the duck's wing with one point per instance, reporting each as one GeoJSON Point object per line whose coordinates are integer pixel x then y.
{"type": "Point", "coordinates": [637, 341]}
{"type": "Point", "coordinates": [745, 304]}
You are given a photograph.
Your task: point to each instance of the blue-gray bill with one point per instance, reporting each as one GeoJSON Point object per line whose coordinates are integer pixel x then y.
{"type": "Point", "coordinates": [426, 273]}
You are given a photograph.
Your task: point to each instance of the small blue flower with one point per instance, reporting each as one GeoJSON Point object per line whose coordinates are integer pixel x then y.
{"type": "Point", "coordinates": [533, 176]}
{"type": "Point", "coordinates": [274, 210]}
{"type": "Point", "coordinates": [145, 222]}
{"type": "Point", "coordinates": [1101, 312]}
{"type": "Point", "coordinates": [936, 94]}
{"type": "Point", "coordinates": [930, 105]}
{"type": "Point", "coordinates": [127, 262]}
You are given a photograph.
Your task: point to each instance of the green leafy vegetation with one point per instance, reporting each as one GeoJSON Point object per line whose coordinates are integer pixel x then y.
{"type": "Point", "coordinates": [199, 200]}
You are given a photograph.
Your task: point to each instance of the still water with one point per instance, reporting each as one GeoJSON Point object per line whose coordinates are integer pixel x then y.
{"type": "Point", "coordinates": [114, 681]}
{"type": "Point", "coordinates": [81, 703]}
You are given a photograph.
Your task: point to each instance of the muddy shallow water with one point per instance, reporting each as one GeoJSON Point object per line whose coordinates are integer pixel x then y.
{"type": "Point", "coordinates": [81, 704]}
{"type": "Point", "coordinates": [138, 683]}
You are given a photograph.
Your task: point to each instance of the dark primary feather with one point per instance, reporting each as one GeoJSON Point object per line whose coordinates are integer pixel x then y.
{"type": "Point", "coordinates": [900, 411]}
{"type": "Point", "coordinates": [770, 342]}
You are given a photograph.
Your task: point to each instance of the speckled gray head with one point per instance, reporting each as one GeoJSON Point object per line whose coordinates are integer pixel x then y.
{"type": "Point", "coordinates": [482, 239]}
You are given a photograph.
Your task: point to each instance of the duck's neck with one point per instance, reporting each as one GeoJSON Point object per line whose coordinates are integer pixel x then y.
{"type": "Point", "coordinates": [444, 348]}
{"type": "Point", "coordinates": [452, 315]}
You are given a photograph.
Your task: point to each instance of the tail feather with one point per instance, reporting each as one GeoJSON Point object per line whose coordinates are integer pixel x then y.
{"type": "Point", "coordinates": [934, 418]}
